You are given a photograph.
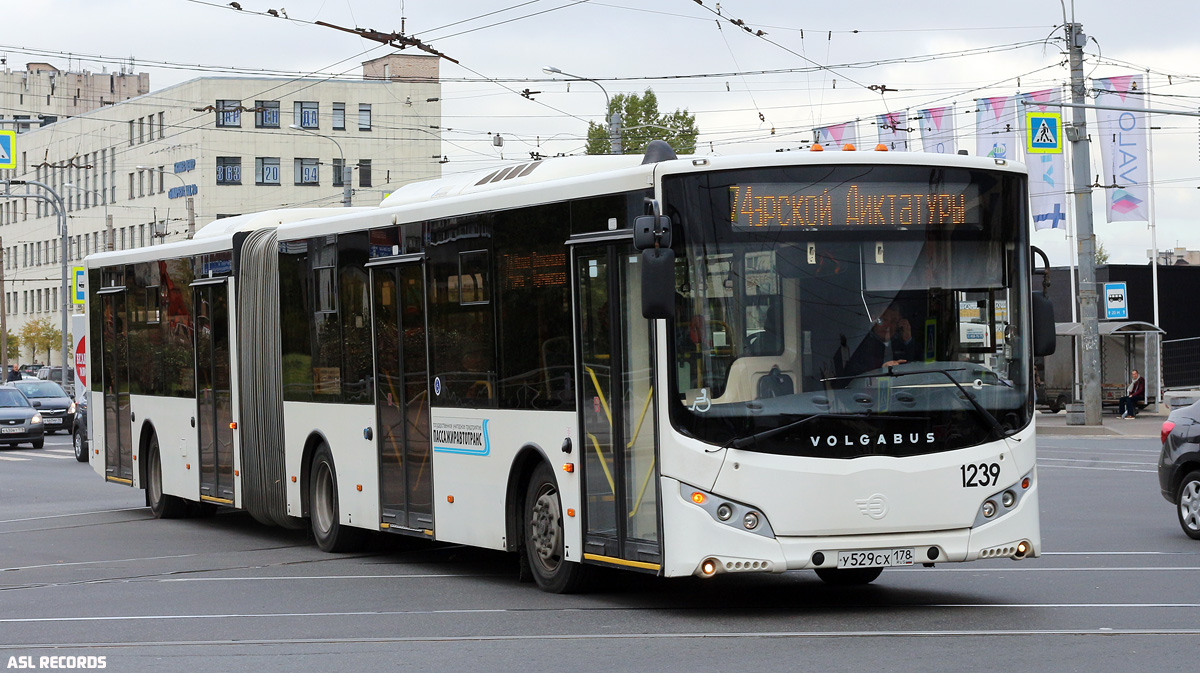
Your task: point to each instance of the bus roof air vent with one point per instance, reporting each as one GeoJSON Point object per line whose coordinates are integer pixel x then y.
{"type": "Point", "coordinates": [658, 150]}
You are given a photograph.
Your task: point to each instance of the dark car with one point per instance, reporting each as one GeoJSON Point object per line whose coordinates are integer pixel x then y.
{"type": "Point", "coordinates": [58, 409]}
{"type": "Point", "coordinates": [1179, 466]}
{"type": "Point", "coordinates": [55, 374]}
{"type": "Point", "coordinates": [79, 433]}
{"type": "Point", "coordinates": [20, 422]}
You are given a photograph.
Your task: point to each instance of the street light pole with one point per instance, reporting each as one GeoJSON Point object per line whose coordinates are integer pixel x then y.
{"type": "Point", "coordinates": [347, 173]}
{"type": "Point", "coordinates": [614, 120]}
{"type": "Point", "coordinates": [191, 206]}
{"type": "Point", "coordinates": [55, 200]}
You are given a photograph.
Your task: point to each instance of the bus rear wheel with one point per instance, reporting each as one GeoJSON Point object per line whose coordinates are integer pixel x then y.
{"type": "Point", "coordinates": [848, 577]}
{"type": "Point", "coordinates": [163, 506]}
{"type": "Point", "coordinates": [324, 513]}
{"type": "Point", "coordinates": [543, 537]}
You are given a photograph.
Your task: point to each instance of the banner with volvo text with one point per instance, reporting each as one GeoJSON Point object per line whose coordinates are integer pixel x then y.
{"type": "Point", "coordinates": [1123, 141]}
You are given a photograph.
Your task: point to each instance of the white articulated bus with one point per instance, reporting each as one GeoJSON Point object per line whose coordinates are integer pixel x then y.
{"type": "Point", "coordinates": [681, 366]}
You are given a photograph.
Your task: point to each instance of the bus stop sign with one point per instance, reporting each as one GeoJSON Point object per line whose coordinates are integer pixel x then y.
{"type": "Point", "coordinates": [1116, 301]}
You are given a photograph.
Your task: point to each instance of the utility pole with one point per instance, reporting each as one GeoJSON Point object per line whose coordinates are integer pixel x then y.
{"type": "Point", "coordinates": [1077, 135]}
{"type": "Point", "coordinates": [191, 208]}
{"type": "Point", "coordinates": [3, 317]}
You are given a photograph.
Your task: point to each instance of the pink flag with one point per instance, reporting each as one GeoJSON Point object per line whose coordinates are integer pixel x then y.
{"type": "Point", "coordinates": [937, 130]}
{"type": "Point", "coordinates": [996, 127]}
{"type": "Point", "coordinates": [893, 130]}
{"type": "Point", "coordinates": [1123, 143]}
{"type": "Point", "coordinates": [837, 135]}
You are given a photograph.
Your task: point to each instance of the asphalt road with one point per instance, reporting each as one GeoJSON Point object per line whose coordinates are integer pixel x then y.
{"type": "Point", "coordinates": [86, 571]}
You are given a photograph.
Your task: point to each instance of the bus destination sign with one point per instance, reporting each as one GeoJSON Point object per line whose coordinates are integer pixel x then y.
{"type": "Point", "coordinates": [776, 205]}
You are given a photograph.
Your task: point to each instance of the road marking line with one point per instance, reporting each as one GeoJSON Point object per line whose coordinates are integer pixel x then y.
{"type": "Point", "coordinates": [1107, 469]}
{"type": "Point", "coordinates": [1095, 460]}
{"type": "Point", "coordinates": [607, 636]}
{"type": "Point", "coordinates": [465, 611]}
{"type": "Point", "coordinates": [63, 516]}
{"type": "Point", "coordinates": [48, 456]}
{"type": "Point", "coordinates": [67, 451]}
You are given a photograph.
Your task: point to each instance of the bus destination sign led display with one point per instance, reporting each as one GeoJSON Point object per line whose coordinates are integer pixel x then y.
{"type": "Point", "coordinates": [774, 205]}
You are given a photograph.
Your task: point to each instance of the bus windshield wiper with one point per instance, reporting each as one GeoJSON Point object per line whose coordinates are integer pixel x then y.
{"type": "Point", "coordinates": [891, 373]}
{"type": "Point", "coordinates": [748, 440]}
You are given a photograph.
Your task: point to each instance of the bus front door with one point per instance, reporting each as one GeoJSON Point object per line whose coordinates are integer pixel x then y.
{"type": "Point", "coordinates": [402, 397]}
{"type": "Point", "coordinates": [214, 400]}
{"type": "Point", "coordinates": [616, 410]}
{"type": "Point", "coordinates": [114, 354]}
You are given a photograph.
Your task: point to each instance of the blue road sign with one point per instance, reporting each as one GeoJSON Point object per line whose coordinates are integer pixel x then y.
{"type": "Point", "coordinates": [1116, 301]}
{"type": "Point", "coordinates": [8, 149]}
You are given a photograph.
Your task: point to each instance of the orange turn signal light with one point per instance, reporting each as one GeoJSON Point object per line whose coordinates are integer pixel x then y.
{"type": "Point", "coordinates": [571, 512]}
{"type": "Point", "coordinates": [881, 148]}
{"type": "Point", "coordinates": [293, 480]}
{"type": "Point", "coordinates": [233, 425]}
{"type": "Point", "coordinates": [360, 488]}
{"type": "Point", "coordinates": [1025, 482]}
{"type": "Point", "coordinates": [568, 467]}
{"type": "Point", "coordinates": [816, 147]}
{"type": "Point", "coordinates": [450, 499]}
{"type": "Point", "coordinates": [848, 147]}
{"type": "Point", "coordinates": [698, 497]}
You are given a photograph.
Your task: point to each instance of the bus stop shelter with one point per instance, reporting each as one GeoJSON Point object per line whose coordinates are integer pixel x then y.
{"type": "Point", "coordinates": [1123, 346]}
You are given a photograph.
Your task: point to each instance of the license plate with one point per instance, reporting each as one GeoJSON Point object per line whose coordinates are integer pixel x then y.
{"type": "Point", "coordinates": [11, 431]}
{"type": "Point", "coordinates": [876, 558]}
{"type": "Point", "coordinates": [52, 421]}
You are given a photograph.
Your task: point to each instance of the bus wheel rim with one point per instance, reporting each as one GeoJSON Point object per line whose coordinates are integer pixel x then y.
{"type": "Point", "coordinates": [323, 499]}
{"type": "Point", "coordinates": [545, 528]}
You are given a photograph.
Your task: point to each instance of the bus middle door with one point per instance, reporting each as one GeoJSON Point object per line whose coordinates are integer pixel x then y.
{"type": "Point", "coordinates": [214, 397]}
{"type": "Point", "coordinates": [402, 397]}
{"type": "Point", "coordinates": [616, 384]}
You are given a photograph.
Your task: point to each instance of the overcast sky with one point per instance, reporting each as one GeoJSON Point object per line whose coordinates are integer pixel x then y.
{"type": "Point", "coordinates": [951, 53]}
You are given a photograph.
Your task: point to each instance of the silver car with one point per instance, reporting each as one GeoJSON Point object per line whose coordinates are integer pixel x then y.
{"type": "Point", "coordinates": [20, 422]}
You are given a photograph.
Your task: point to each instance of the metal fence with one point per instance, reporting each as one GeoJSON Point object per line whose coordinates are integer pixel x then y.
{"type": "Point", "coordinates": [1181, 363]}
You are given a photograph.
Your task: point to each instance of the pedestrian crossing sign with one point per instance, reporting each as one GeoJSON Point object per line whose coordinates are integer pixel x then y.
{"type": "Point", "coordinates": [1043, 133]}
{"type": "Point", "coordinates": [8, 149]}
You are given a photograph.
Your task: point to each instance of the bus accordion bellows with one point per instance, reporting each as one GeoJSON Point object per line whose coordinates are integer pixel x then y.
{"type": "Point", "coordinates": [679, 366]}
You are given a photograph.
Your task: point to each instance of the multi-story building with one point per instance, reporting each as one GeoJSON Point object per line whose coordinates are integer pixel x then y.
{"type": "Point", "coordinates": [127, 172]}
{"type": "Point", "coordinates": [43, 94]}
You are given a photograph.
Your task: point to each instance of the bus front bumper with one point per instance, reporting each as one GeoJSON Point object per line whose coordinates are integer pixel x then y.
{"type": "Point", "coordinates": [712, 548]}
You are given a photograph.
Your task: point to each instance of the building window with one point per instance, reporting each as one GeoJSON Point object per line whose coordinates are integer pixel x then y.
{"type": "Point", "coordinates": [305, 115]}
{"type": "Point", "coordinates": [306, 172]}
{"type": "Point", "coordinates": [229, 170]}
{"type": "Point", "coordinates": [141, 183]}
{"type": "Point", "coordinates": [364, 117]}
{"type": "Point", "coordinates": [161, 116]}
{"type": "Point", "coordinates": [266, 171]}
{"type": "Point", "coordinates": [364, 172]}
{"type": "Point", "coordinates": [229, 113]}
{"type": "Point", "coordinates": [21, 128]}
{"type": "Point", "coordinates": [266, 114]}
{"type": "Point", "coordinates": [337, 172]}
{"type": "Point", "coordinates": [339, 116]}
{"type": "Point", "coordinates": [141, 130]}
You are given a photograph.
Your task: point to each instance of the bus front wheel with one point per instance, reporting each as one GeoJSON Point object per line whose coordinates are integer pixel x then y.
{"type": "Point", "coordinates": [846, 577]}
{"type": "Point", "coordinates": [543, 537]}
{"type": "Point", "coordinates": [324, 513]}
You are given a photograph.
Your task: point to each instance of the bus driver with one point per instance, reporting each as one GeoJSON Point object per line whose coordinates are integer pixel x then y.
{"type": "Point", "coordinates": [890, 342]}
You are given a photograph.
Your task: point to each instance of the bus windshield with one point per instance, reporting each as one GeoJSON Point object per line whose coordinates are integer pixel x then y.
{"type": "Point", "coordinates": [844, 311]}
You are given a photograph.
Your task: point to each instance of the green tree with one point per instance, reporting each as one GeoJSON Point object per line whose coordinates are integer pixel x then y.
{"type": "Point", "coordinates": [14, 347]}
{"type": "Point", "coordinates": [1101, 254]}
{"type": "Point", "coordinates": [641, 122]}
{"type": "Point", "coordinates": [40, 335]}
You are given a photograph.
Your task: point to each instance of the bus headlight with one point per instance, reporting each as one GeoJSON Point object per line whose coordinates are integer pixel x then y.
{"type": "Point", "coordinates": [989, 509]}
{"type": "Point", "coordinates": [737, 515]}
{"type": "Point", "coordinates": [1000, 503]}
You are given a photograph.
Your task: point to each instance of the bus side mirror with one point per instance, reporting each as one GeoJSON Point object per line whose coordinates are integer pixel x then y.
{"type": "Point", "coordinates": [1043, 325]}
{"type": "Point", "coordinates": [658, 283]}
{"type": "Point", "coordinates": [649, 230]}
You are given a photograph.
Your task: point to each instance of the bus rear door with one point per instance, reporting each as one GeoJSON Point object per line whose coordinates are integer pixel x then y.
{"type": "Point", "coordinates": [402, 396]}
{"type": "Point", "coordinates": [616, 409]}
